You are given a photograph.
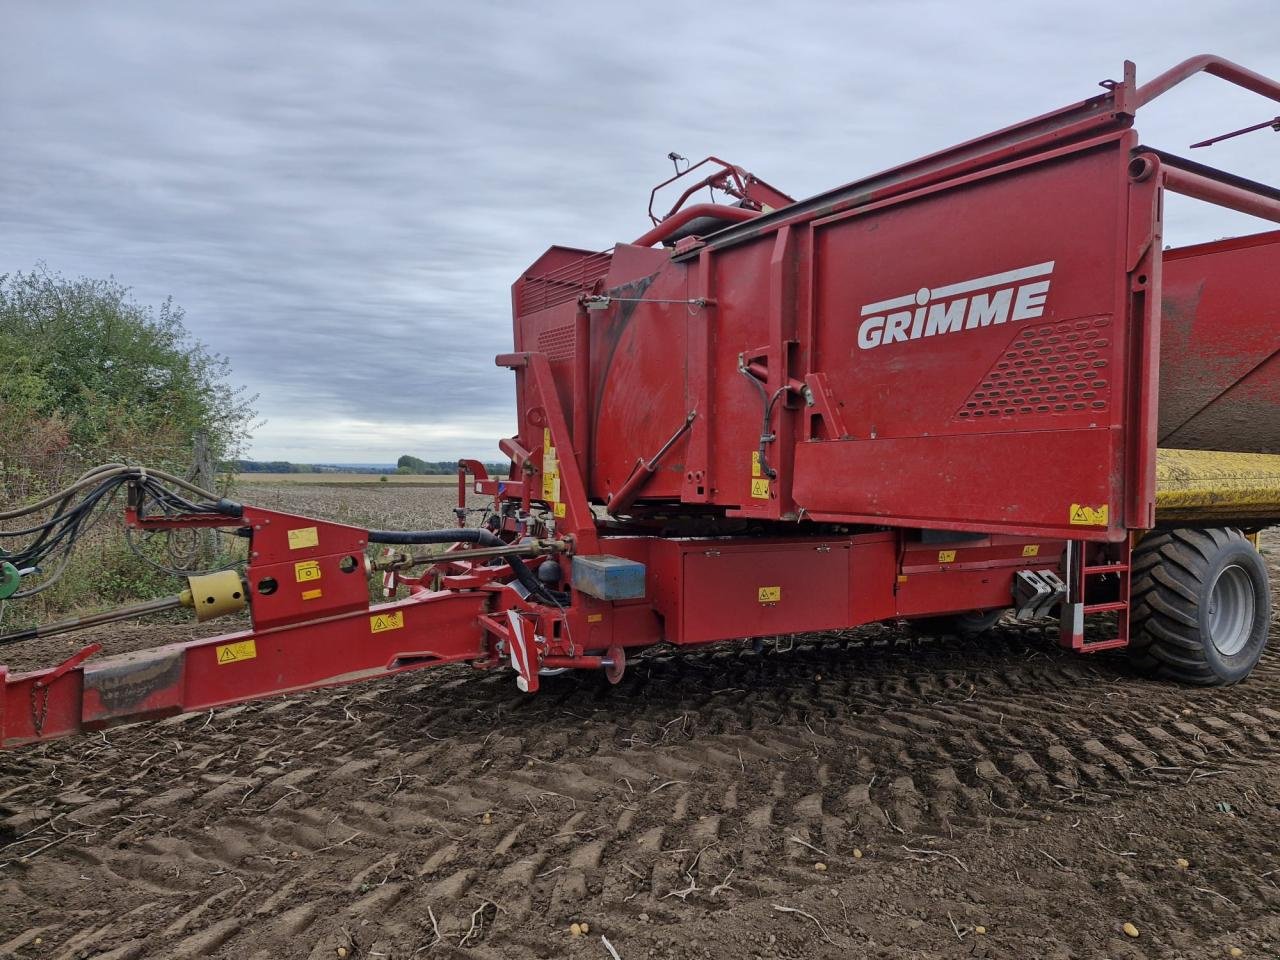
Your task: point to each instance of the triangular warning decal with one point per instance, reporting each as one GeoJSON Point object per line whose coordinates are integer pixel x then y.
{"type": "Point", "coordinates": [1086, 516]}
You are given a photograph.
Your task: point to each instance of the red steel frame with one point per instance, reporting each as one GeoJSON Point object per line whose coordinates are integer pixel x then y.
{"type": "Point", "coordinates": [815, 534]}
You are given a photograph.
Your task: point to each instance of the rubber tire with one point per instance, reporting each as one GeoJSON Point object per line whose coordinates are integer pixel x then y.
{"type": "Point", "coordinates": [971, 624]}
{"type": "Point", "coordinates": [1173, 571]}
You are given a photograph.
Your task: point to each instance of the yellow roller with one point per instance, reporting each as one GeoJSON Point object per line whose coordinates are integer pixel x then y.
{"type": "Point", "coordinates": [1208, 485]}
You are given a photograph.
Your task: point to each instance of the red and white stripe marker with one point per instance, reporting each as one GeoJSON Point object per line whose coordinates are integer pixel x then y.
{"type": "Point", "coordinates": [524, 653]}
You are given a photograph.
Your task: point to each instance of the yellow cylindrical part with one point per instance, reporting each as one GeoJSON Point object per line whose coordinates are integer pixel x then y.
{"type": "Point", "coordinates": [214, 594]}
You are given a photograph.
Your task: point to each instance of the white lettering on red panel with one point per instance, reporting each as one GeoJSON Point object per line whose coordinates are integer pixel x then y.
{"type": "Point", "coordinates": [967, 305]}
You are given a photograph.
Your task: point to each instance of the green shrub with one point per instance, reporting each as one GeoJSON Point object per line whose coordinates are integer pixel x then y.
{"type": "Point", "coordinates": [90, 376]}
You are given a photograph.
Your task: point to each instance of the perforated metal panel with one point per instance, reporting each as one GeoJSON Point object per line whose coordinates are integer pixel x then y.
{"type": "Point", "coordinates": [1057, 368]}
{"type": "Point", "coordinates": [557, 343]}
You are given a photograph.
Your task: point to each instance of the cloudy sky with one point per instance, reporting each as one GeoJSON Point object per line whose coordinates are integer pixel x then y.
{"type": "Point", "coordinates": [340, 195]}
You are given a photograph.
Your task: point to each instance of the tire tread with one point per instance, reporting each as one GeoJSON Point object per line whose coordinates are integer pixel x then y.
{"type": "Point", "coordinates": [1168, 573]}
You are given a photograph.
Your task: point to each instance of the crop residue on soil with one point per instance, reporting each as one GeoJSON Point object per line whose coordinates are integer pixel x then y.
{"type": "Point", "coordinates": [863, 795]}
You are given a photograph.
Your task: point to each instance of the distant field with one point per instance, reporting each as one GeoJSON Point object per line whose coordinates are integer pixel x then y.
{"type": "Point", "coordinates": [346, 479]}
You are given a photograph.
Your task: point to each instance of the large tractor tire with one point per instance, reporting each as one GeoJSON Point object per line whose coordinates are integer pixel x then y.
{"type": "Point", "coordinates": [1200, 606]}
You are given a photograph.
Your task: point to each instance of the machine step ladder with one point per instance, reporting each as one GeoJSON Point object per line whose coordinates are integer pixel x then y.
{"type": "Point", "coordinates": [1087, 582]}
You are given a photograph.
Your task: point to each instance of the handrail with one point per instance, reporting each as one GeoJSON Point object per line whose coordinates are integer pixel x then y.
{"type": "Point", "coordinates": [1223, 194]}
{"type": "Point", "coordinates": [677, 220]}
{"type": "Point", "coordinates": [1210, 64]}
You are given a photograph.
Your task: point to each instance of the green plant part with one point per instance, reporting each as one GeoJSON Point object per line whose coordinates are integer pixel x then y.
{"type": "Point", "coordinates": [89, 375]}
{"type": "Point", "coordinates": [9, 580]}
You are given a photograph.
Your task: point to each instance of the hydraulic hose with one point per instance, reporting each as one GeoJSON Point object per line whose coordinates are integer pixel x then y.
{"type": "Point", "coordinates": [93, 620]}
{"type": "Point", "coordinates": [104, 472]}
{"type": "Point", "coordinates": [483, 538]}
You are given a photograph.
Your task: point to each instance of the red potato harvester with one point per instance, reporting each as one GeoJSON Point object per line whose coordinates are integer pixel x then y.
{"type": "Point", "coordinates": [971, 384]}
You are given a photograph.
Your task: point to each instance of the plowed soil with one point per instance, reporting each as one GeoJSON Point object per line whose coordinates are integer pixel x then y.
{"type": "Point", "coordinates": [860, 795]}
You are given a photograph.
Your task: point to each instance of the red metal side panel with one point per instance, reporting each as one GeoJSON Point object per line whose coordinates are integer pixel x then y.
{"type": "Point", "coordinates": [553, 332]}
{"type": "Point", "coordinates": [640, 393]}
{"type": "Point", "coordinates": [708, 589]}
{"type": "Point", "coordinates": [758, 317]}
{"type": "Point", "coordinates": [752, 590]}
{"type": "Point", "coordinates": [545, 305]}
{"type": "Point", "coordinates": [966, 575]}
{"type": "Point", "coordinates": [1220, 346]}
{"type": "Point", "coordinates": [873, 575]}
{"type": "Point", "coordinates": [976, 337]}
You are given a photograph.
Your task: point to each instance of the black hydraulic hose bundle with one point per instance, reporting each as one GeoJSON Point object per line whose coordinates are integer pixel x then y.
{"type": "Point", "coordinates": [74, 510]}
{"type": "Point", "coordinates": [766, 436]}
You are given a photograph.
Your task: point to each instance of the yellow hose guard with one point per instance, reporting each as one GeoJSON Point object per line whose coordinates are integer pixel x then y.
{"type": "Point", "coordinates": [214, 594]}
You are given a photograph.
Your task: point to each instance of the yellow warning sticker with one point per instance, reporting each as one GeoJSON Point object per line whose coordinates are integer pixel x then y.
{"type": "Point", "coordinates": [595, 617]}
{"type": "Point", "coordinates": [1085, 516]}
{"type": "Point", "coordinates": [307, 570]}
{"type": "Point", "coordinates": [755, 464]}
{"type": "Point", "coordinates": [303, 537]}
{"type": "Point", "coordinates": [381, 622]}
{"type": "Point", "coordinates": [769, 594]}
{"type": "Point", "coordinates": [312, 594]}
{"type": "Point", "coordinates": [1031, 550]}
{"type": "Point", "coordinates": [550, 476]}
{"type": "Point", "coordinates": [760, 488]}
{"type": "Point", "coordinates": [235, 652]}
{"type": "Point", "coordinates": [946, 556]}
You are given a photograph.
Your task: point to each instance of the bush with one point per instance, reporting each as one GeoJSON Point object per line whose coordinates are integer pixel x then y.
{"type": "Point", "coordinates": [90, 376]}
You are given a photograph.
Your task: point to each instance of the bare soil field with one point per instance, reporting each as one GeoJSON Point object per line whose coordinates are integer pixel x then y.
{"type": "Point", "coordinates": [256, 480]}
{"type": "Point", "coordinates": [863, 794]}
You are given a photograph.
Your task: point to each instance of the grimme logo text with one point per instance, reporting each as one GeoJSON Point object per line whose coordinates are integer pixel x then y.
{"type": "Point", "coordinates": [956, 307]}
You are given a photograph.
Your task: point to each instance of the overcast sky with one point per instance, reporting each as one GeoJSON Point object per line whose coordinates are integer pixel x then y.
{"type": "Point", "coordinates": [340, 195]}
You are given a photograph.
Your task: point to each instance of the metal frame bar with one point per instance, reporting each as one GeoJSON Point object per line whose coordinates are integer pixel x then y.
{"type": "Point", "coordinates": [1211, 64]}
{"type": "Point", "coordinates": [434, 628]}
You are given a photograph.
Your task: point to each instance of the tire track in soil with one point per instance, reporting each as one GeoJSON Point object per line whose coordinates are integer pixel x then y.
{"type": "Point", "coordinates": [291, 827]}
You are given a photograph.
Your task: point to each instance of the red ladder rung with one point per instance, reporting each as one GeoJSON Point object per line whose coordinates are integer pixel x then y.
{"type": "Point", "coordinates": [1106, 568]}
{"type": "Point", "coordinates": [1099, 645]}
{"type": "Point", "coordinates": [1106, 607]}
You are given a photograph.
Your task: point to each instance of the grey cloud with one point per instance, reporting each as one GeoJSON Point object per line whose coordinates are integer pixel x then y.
{"type": "Point", "coordinates": [341, 197]}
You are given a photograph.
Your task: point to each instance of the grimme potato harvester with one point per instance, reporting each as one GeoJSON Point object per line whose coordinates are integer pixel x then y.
{"type": "Point", "coordinates": [973, 385]}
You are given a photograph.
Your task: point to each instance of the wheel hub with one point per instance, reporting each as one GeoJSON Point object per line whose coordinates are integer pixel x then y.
{"type": "Point", "coordinates": [1231, 610]}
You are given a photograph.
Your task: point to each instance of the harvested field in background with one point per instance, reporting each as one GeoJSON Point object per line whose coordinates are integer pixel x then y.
{"type": "Point", "coordinates": [942, 785]}
{"type": "Point", "coordinates": [250, 480]}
